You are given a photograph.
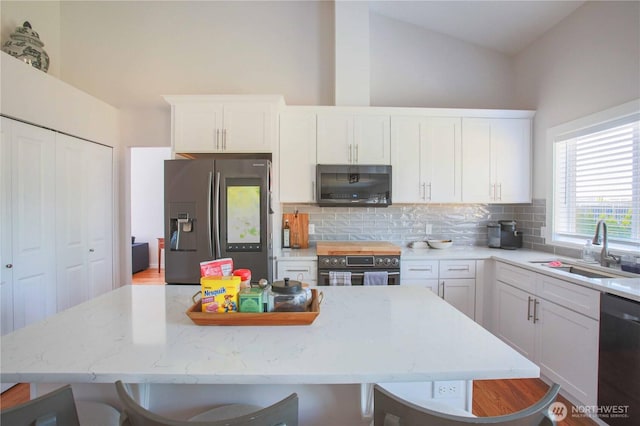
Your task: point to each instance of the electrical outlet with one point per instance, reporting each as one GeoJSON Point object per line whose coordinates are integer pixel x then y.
{"type": "Point", "coordinates": [312, 229]}
{"type": "Point", "coordinates": [428, 229]}
{"type": "Point", "coordinates": [446, 389]}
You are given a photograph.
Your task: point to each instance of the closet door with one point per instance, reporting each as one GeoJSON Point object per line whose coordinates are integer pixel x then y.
{"type": "Point", "coordinates": [33, 223]}
{"type": "Point", "coordinates": [99, 190]}
{"type": "Point", "coordinates": [71, 222]}
{"type": "Point", "coordinates": [6, 254]}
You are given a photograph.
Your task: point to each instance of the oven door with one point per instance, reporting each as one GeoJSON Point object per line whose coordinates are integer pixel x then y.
{"type": "Point", "coordinates": [357, 276]}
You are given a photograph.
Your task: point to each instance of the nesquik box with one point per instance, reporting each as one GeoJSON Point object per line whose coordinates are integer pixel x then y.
{"type": "Point", "coordinates": [220, 294]}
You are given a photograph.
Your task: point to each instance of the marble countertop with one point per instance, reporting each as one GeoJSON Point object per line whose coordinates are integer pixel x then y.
{"type": "Point", "coordinates": [628, 287]}
{"type": "Point", "coordinates": [141, 334]}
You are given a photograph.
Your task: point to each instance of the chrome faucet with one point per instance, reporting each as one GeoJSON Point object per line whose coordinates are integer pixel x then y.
{"type": "Point", "coordinates": [606, 258]}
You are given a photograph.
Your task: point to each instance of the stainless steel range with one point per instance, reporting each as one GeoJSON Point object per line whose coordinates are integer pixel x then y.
{"type": "Point", "coordinates": [375, 263]}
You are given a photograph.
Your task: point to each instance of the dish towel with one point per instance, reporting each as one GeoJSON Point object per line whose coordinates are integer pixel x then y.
{"type": "Point", "coordinates": [339, 278]}
{"type": "Point", "coordinates": [376, 278]}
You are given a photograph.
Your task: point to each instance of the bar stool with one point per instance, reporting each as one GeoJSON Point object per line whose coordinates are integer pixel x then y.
{"type": "Point", "coordinates": [160, 248]}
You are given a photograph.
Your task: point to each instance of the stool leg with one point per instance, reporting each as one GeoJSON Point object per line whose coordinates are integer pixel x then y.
{"type": "Point", "coordinates": [159, 251]}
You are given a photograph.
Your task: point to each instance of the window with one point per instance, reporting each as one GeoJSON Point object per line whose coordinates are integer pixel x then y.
{"type": "Point", "coordinates": [597, 177]}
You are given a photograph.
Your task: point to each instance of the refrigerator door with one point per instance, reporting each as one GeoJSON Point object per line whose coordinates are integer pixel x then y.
{"type": "Point", "coordinates": [188, 231]}
{"type": "Point", "coordinates": [244, 221]}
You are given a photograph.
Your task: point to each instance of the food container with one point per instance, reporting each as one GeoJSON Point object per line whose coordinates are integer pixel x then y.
{"type": "Point", "coordinates": [220, 294]}
{"type": "Point", "coordinates": [250, 300]}
{"type": "Point", "coordinates": [245, 277]}
{"type": "Point", "coordinates": [289, 296]}
{"type": "Point", "coordinates": [440, 244]}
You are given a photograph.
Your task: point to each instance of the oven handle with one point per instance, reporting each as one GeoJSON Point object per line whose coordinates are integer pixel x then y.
{"type": "Point", "coordinates": [358, 274]}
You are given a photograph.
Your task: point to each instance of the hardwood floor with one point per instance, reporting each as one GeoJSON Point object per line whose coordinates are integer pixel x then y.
{"type": "Point", "coordinates": [490, 397]}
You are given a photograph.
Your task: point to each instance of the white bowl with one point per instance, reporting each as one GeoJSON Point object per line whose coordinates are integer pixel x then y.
{"type": "Point", "coordinates": [440, 244]}
{"type": "Point", "coordinates": [418, 245]}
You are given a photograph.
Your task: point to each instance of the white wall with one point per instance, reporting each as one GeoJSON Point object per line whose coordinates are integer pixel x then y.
{"type": "Point", "coordinates": [587, 63]}
{"type": "Point", "coordinates": [147, 197]}
{"type": "Point", "coordinates": [414, 67]}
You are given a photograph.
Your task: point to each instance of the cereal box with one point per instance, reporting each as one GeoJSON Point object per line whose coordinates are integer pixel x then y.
{"type": "Point", "coordinates": [220, 294]}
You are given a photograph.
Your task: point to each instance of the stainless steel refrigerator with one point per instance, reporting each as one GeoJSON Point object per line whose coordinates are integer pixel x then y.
{"type": "Point", "coordinates": [217, 208]}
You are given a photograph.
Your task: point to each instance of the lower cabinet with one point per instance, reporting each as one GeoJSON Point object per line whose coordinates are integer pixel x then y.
{"type": "Point", "coordinates": [563, 342]}
{"type": "Point", "coordinates": [299, 270]}
{"type": "Point", "coordinates": [453, 280]}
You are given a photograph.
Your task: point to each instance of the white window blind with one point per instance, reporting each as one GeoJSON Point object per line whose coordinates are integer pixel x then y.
{"type": "Point", "coordinates": [597, 177]}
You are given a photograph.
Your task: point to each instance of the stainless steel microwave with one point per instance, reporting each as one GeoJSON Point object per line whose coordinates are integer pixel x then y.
{"type": "Point", "coordinates": [347, 185]}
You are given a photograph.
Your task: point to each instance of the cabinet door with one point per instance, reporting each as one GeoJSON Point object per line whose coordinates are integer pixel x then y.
{"type": "Point", "coordinates": [461, 294]}
{"type": "Point", "coordinates": [430, 284]}
{"type": "Point", "coordinates": [372, 139]}
{"type": "Point", "coordinates": [335, 139]}
{"type": "Point", "coordinates": [440, 156]}
{"type": "Point", "coordinates": [6, 256]}
{"type": "Point", "coordinates": [408, 186]}
{"type": "Point", "coordinates": [513, 318]}
{"type": "Point", "coordinates": [476, 161]}
{"type": "Point", "coordinates": [197, 127]}
{"type": "Point", "coordinates": [562, 338]}
{"type": "Point", "coordinates": [297, 157]}
{"type": "Point", "coordinates": [511, 153]}
{"type": "Point", "coordinates": [33, 215]}
{"type": "Point", "coordinates": [99, 181]}
{"type": "Point", "coordinates": [247, 127]}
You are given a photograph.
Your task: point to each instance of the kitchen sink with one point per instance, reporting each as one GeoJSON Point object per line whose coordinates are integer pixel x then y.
{"type": "Point", "coordinates": [578, 270]}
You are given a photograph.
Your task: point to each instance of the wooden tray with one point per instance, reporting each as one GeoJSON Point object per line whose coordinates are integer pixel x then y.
{"type": "Point", "coordinates": [249, 318]}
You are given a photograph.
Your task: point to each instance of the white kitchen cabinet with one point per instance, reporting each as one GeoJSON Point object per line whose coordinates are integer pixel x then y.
{"type": "Point", "coordinates": [426, 159]}
{"type": "Point", "coordinates": [422, 273]}
{"type": "Point", "coordinates": [299, 270]}
{"type": "Point", "coordinates": [297, 157]}
{"type": "Point", "coordinates": [84, 225]}
{"type": "Point", "coordinates": [458, 284]}
{"type": "Point", "coordinates": [353, 138]}
{"type": "Point", "coordinates": [496, 160]}
{"type": "Point", "coordinates": [453, 280]}
{"type": "Point", "coordinates": [28, 237]}
{"type": "Point", "coordinates": [542, 325]}
{"type": "Point", "coordinates": [212, 124]}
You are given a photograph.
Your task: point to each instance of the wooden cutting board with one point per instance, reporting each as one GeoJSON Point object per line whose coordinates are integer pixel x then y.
{"type": "Point", "coordinates": [337, 248]}
{"type": "Point", "coordinates": [299, 224]}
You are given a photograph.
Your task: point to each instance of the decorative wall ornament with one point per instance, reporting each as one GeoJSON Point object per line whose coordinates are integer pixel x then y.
{"type": "Point", "coordinates": [25, 45]}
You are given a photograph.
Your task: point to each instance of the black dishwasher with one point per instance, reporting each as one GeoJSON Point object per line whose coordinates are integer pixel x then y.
{"type": "Point", "coordinates": [619, 361]}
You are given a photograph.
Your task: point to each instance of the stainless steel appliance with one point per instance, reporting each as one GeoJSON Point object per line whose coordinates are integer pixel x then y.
{"type": "Point", "coordinates": [353, 185]}
{"type": "Point", "coordinates": [358, 265]}
{"type": "Point", "coordinates": [217, 208]}
{"type": "Point", "coordinates": [619, 361]}
{"type": "Point", "coordinates": [510, 237]}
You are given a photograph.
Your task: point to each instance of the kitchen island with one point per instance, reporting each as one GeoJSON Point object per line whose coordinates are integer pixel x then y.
{"type": "Point", "coordinates": [363, 335]}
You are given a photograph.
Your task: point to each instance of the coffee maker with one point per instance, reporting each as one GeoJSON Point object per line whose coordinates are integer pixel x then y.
{"type": "Point", "coordinates": [504, 235]}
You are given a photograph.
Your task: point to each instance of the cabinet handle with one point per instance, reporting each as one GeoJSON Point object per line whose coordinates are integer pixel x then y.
{"type": "Point", "coordinates": [224, 139]}
{"type": "Point", "coordinates": [313, 190]}
{"type": "Point", "coordinates": [421, 269]}
{"type": "Point", "coordinates": [458, 269]}
{"type": "Point", "coordinates": [529, 316]}
{"type": "Point", "coordinates": [443, 289]}
{"type": "Point", "coordinates": [424, 191]}
{"type": "Point", "coordinates": [429, 198]}
{"type": "Point", "coordinates": [91, 250]}
{"type": "Point", "coordinates": [8, 266]}
{"type": "Point", "coordinates": [499, 192]}
{"type": "Point", "coordinates": [297, 270]}
{"type": "Point", "coordinates": [217, 139]}
{"type": "Point", "coordinates": [349, 152]}
{"type": "Point", "coordinates": [356, 160]}
{"type": "Point", "coordinates": [535, 311]}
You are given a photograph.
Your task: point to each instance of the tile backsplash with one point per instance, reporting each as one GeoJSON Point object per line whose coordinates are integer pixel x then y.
{"type": "Point", "coordinates": [465, 224]}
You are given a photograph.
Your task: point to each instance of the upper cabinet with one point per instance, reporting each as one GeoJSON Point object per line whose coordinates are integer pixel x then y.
{"type": "Point", "coordinates": [426, 159]}
{"type": "Point", "coordinates": [496, 160]}
{"type": "Point", "coordinates": [353, 138]}
{"type": "Point", "coordinates": [297, 156]}
{"type": "Point", "coordinates": [219, 124]}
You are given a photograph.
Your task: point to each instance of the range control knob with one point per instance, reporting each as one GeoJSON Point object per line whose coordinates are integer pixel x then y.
{"type": "Point", "coordinates": [326, 261]}
{"type": "Point", "coordinates": [334, 261]}
{"type": "Point", "coordinates": [343, 262]}
{"type": "Point", "coordinates": [379, 261]}
{"type": "Point", "coordinates": [387, 261]}
{"type": "Point", "coordinates": [395, 262]}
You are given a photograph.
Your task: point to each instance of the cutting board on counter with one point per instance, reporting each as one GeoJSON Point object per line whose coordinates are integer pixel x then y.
{"type": "Point", "coordinates": [339, 248]}
{"type": "Point", "coordinates": [299, 224]}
